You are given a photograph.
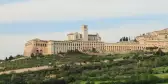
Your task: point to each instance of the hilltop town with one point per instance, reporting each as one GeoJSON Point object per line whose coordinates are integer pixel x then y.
{"type": "Point", "coordinates": [86, 42]}
{"type": "Point", "coordinates": [71, 61]}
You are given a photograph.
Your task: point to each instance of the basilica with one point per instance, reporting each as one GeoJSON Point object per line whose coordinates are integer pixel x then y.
{"type": "Point", "coordinates": [86, 42]}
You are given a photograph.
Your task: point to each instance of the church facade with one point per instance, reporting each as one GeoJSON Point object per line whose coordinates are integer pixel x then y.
{"type": "Point", "coordinates": [85, 42]}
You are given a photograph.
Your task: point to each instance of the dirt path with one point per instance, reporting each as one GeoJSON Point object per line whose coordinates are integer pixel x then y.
{"type": "Point", "coordinates": [26, 70]}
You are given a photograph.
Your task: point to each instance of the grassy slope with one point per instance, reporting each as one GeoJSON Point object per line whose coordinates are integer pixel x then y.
{"type": "Point", "coordinates": [34, 62]}
{"type": "Point", "coordinates": [26, 63]}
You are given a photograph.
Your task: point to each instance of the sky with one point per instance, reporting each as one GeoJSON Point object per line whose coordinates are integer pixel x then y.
{"type": "Point", "coordinates": [23, 20]}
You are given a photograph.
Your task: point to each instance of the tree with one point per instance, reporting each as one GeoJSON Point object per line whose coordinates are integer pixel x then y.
{"type": "Point", "coordinates": [6, 59]}
{"type": "Point", "coordinates": [123, 38]}
{"type": "Point", "coordinates": [41, 55]}
{"type": "Point", "coordinates": [17, 56]}
{"type": "Point", "coordinates": [60, 52]}
{"type": "Point", "coordinates": [120, 39]}
{"type": "Point", "coordinates": [71, 78]}
{"type": "Point", "coordinates": [160, 52]}
{"type": "Point", "coordinates": [76, 51]}
{"type": "Point", "coordinates": [55, 81]}
{"type": "Point", "coordinates": [126, 38]}
{"type": "Point", "coordinates": [93, 50]}
{"type": "Point", "coordinates": [16, 79]}
{"type": "Point", "coordinates": [13, 77]}
{"type": "Point", "coordinates": [32, 55]}
{"type": "Point", "coordinates": [10, 58]}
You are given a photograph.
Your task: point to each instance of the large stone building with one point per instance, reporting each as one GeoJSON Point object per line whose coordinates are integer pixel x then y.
{"type": "Point", "coordinates": [81, 42]}
{"type": "Point", "coordinates": [85, 42]}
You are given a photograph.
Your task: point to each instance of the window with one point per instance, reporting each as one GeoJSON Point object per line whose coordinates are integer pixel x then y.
{"type": "Point", "coordinates": [80, 35]}
{"type": "Point", "coordinates": [76, 36]}
{"type": "Point", "coordinates": [37, 51]}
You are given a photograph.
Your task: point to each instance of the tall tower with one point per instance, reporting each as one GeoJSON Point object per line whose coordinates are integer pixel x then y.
{"type": "Point", "coordinates": [84, 32]}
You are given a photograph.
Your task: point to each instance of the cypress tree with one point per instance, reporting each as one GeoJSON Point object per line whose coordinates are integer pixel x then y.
{"type": "Point", "coordinates": [120, 39]}
{"type": "Point", "coordinates": [124, 39]}
{"type": "Point", "coordinates": [6, 59]}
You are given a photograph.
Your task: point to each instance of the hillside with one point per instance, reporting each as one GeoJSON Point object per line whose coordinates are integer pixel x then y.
{"type": "Point", "coordinates": [130, 68]}
{"type": "Point", "coordinates": [48, 60]}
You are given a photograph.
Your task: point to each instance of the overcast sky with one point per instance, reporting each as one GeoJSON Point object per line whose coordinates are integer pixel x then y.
{"type": "Point", "coordinates": [23, 20]}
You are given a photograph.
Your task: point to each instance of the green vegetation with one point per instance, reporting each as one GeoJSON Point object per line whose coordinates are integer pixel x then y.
{"type": "Point", "coordinates": [78, 68]}
{"type": "Point", "coordinates": [27, 63]}
{"type": "Point", "coordinates": [49, 59]}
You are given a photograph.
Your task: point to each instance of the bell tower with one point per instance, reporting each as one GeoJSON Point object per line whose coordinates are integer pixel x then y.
{"type": "Point", "coordinates": [84, 32]}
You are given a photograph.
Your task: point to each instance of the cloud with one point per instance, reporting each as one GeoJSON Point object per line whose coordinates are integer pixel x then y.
{"type": "Point", "coordinates": [63, 10]}
{"type": "Point", "coordinates": [14, 44]}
